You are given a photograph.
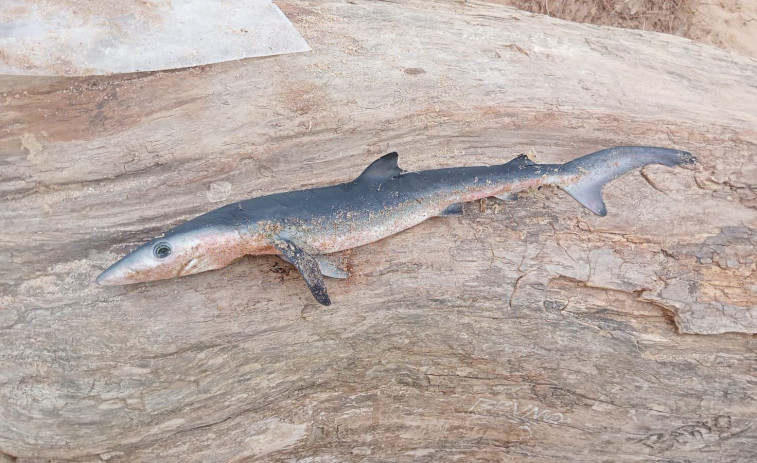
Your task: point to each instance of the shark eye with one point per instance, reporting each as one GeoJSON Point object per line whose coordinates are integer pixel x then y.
{"type": "Point", "coordinates": [161, 250]}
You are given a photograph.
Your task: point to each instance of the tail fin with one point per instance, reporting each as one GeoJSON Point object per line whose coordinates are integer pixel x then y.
{"type": "Point", "coordinates": [584, 177]}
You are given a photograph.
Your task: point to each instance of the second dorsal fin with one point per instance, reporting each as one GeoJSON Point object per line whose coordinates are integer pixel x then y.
{"type": "Point", "coordinates": [382, 169]}
{"type": "Point", "coordinates": [520, 160]}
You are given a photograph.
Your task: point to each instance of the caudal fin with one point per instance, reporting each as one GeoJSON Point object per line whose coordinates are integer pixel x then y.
{"type": "Point", "coordinates": [583, 178]}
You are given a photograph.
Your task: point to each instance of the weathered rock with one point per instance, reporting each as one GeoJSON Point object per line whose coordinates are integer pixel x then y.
{"type": "Point", "coordinates": [527, 330]}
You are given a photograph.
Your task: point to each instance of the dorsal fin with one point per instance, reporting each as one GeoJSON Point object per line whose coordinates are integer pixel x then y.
{"type": "Point", "coordinates": [521, 160]}
{"type": "Point", "coordinates": [382, 169]}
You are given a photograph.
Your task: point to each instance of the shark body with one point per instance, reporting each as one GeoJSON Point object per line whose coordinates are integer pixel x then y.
{"type": "Point", "coordinates": [303, 226]}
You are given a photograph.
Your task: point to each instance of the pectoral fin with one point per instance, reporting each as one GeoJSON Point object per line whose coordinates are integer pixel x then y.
{"type": "Point", "coordinates": [308, 267]}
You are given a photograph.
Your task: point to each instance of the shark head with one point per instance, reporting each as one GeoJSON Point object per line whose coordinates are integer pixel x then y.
{"type": "Point", "coordinates": [176, 254]}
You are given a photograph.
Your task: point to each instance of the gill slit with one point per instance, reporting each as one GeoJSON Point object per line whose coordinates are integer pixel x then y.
{"type": "Point", "coordinates": [186, 266]}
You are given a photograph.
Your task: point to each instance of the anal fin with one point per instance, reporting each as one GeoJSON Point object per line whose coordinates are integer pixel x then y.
{"type": "Point", "coordinates": [453, 210]}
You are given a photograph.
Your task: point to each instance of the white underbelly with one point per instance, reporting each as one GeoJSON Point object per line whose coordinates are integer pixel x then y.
{"type": "Point", "coordinates": [352, 235]}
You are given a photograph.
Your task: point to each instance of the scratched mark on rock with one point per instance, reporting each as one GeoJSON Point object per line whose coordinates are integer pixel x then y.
{"type": "Point", "coordinates": [517, 412]}
{"type": "Point", "coordinates": [32, 146]}
{"type": "Point", "coordinates": [695, 436]}
{"type": "Point", "coordinates": [218, 191]}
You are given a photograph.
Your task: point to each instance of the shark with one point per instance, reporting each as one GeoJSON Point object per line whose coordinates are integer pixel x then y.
{"type": "Point", "coordinates": [304, 226]}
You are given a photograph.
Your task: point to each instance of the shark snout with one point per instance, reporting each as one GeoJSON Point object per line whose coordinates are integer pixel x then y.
{"type": "Point", "coordinates": [111, 276]}
{"type": "Point", "coordinates": [123, 272]}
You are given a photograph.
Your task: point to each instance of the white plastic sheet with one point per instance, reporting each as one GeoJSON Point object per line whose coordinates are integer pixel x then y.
{"type": "Point", "coordinates": [86, 37]}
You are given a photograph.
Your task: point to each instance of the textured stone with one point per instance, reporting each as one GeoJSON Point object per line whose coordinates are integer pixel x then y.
{"type": "Point", "coordinates": [527, 330]}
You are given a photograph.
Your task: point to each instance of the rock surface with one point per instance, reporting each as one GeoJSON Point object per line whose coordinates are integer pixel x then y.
{"type": "Point", "coordinates": [521, 331]}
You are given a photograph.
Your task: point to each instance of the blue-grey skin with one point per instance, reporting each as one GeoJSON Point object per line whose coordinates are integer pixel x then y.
{"type": "Point", "coordinates": [302, 226]}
